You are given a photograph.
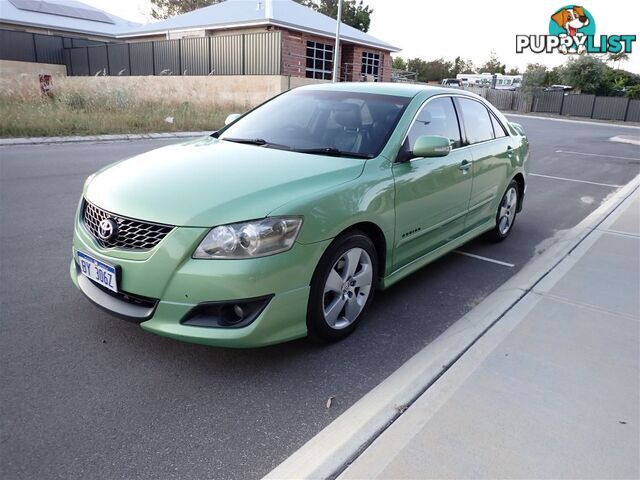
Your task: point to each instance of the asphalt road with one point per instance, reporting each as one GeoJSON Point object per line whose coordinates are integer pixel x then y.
{"type": "Point", "coordinates": [85, 395]}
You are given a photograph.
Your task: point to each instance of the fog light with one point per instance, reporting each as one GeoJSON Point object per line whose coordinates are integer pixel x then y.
{"type": "Point", "coordinates": [226, 314]}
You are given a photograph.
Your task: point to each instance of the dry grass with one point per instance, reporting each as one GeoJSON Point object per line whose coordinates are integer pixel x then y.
{"type": "Point", "coordinates": [93, 111]}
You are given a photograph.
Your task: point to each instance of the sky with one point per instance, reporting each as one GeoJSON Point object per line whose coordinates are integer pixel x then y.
{"type": "Point", "coordinates": [469, 29]}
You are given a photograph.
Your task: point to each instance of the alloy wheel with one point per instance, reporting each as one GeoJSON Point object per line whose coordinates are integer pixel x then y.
{"type": "Point", "coordinates": [347, 288]}
{"type": "Point", "coordinates": [507, 212]}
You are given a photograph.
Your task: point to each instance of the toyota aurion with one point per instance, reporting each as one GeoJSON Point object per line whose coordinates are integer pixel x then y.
{"type": "Point", "coordinates": [284, 222]}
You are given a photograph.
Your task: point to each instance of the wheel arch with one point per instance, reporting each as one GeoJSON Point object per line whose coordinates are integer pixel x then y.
{"type": "Point", "coordinates": [519, 178]}
{"type": "Point", "coordinates": [377, 236]}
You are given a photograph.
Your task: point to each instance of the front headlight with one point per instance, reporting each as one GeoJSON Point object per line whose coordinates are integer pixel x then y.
{"type": "Point", "coordinates": [257, 238]}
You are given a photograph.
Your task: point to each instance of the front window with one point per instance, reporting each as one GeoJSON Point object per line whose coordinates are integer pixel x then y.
{"type": "Point", "coordinates": [438, 117]}
{"type": "Point", "coordinates": [319, 60]}
{"type": "Point", "coordinates": [371, 65]}
{"type": "Point", "coordinates": [322, 121]}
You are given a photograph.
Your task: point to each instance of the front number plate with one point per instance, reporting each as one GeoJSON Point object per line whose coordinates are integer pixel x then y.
{"type": "Point", "coordinates": [98, 271]}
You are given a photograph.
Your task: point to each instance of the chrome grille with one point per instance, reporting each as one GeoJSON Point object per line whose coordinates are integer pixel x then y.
{"type": "Point", "coordinates": [132, 234]}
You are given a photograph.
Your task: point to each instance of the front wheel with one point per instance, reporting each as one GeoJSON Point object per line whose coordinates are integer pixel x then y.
{"type": "Point", "coordinates": [342, 287]}
{"type": "Point", "coordinates": [507, 211]}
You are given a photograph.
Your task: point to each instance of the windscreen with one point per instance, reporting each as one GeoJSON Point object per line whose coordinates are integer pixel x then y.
{"type": "Point", "coordinates": [322, 121]}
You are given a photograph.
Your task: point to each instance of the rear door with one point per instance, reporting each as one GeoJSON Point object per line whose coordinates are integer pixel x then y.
{"type": "Point", "coordinates": [491, 151]}
{"type": "Point", "coordinates": [432, 194]}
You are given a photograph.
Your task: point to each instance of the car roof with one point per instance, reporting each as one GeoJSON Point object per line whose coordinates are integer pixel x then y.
{"type": "Point", "coordinates": [386, 88]}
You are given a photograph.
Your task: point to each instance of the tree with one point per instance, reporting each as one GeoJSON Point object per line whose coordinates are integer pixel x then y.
{"type": "Point", "coordinates": [554, 76]}
{"type": "Point", "coordinates": [586, 73]}
{"type": "Point", "coordinates": [434, 70]}
{"type": "Point", "coordinates": [462, 66]}
{"type": "Point", "coordinates": [617, 58]}
{"type": "Point", "coordinates": [493, 65]}
{"type": "Point", "coordinates": [354, 12]}
{"type": "Point", "coordinates": [534, 76]}
{"type": "Point", "coordinates": [513, 71]}
{"type": "Point", "coordinates": [468, 67]}
{"type": "Point", "coordinates": [633, 92]}
{"type": "Point", "coordinates": [620, 81]}
{"type": "Point", "coordinates": [399, 63]}
{"type": "Point", "coordinates": [161, 9]}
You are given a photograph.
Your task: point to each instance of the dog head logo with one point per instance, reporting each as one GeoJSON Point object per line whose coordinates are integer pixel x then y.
{"type": "Point", "coordinates": [575, 22]}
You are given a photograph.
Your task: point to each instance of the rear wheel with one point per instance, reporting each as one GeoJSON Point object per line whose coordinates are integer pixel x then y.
{"type": "Point", "coordinates": [342, 287]}
{"type": "Point", "coordinates": [507, 211]}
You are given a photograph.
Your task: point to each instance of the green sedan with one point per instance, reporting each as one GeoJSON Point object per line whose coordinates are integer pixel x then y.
{"type": "Point", "coordinates": [285, 222]}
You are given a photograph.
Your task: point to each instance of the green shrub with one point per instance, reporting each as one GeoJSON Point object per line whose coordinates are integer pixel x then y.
{"type": "Point", "coordinates": [633, 92]}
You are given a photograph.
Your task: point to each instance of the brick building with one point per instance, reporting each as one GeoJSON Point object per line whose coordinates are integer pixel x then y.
{"type": "Point", "coordinates": [307, 37]}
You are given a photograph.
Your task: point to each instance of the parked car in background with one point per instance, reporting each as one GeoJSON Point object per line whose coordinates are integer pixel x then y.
{"type": "Point", "coordinates": [558, 88]}
{"type": "Point", "coordinates": [451, 82]}
{"type": "Point", "coordinates": [496, 80]}
{"type": "Point", "coordinates": [285, 222]}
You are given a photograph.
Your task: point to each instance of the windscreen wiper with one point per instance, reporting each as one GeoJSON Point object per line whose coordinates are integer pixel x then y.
{"type": "Point", "coordinates": [334, 152]}
{"type": "Point", "coordinates": [248, 141]}
{"type": "Point", "coordinates": [258, 141]}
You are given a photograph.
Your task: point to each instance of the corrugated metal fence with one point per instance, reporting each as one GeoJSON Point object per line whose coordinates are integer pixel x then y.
{"type": "Point", "coordinates": [35, 47]}
{"type": "Point", "coordinates": [560, 103]}
{"type": "Point", "coordinates": [244, 54]}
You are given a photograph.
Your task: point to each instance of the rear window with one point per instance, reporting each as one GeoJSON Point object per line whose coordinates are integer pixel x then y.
{"type": "Point", "coordinates": [477, 121]}
{"type": "Point", "coordinates": [498, 129]}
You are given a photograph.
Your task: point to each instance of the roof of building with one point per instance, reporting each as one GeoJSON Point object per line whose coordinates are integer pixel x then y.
{"type": "Point", "coordinates": [243, 13]}
{"type": "Point", "coordinates": [75, 16]}
{"type": "Point", "coordinates": [63, 15]}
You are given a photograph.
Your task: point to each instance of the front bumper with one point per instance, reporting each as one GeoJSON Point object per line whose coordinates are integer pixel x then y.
{"type": "Point", "coordinates": [165, 284]}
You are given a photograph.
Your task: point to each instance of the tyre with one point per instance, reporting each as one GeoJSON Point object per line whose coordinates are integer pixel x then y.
{"type": "Point", "coordinates": [342, 287]}
{"type": "Point", "coordinates": [507, 211]}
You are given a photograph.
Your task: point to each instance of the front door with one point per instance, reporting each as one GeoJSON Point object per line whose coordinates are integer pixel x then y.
{"type": "Point", "coordinates": [432, 194]}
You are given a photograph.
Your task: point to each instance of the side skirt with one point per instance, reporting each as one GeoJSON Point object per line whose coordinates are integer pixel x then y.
{"type": "Point", "coordinates": [420, 262]}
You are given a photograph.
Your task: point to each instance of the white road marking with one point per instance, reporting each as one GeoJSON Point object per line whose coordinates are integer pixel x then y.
{"type": "Point", "coordinates": [573, 180]}
{"type": "Point", "coordinates": [625, 139]}
{"type": "Point", "coordinates": [598, 155]}
{"type": "Point", "coordinates": [486, 259]}
{"type": "Point", "coordinates": [601, 124]}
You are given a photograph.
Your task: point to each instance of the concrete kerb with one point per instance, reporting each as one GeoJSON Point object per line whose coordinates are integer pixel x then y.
{"type": "Point", "coordinates": [98, 138]}
{"type": "Point", "coordinates": [328, 453]}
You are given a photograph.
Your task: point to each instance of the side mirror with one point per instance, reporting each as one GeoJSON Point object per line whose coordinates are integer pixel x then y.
{"type": "Point", "coordinates": [232, 118]}
{"type": "Point", "coordinates": [431, 146]}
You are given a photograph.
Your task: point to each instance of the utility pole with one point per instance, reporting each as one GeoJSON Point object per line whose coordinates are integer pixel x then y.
{"type": "Point", "coordinates": [336, 49]}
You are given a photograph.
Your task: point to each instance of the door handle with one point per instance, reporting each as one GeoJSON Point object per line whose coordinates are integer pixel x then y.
{"type": "Point", "coordinates": [509, 151]}
{"type": "Point", "coordinates": [465, 165]}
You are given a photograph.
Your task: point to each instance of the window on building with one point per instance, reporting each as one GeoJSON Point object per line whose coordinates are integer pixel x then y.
{"type": "Point", "coordinates": [319, 60]}
{"type": "Point", "coordinates": [371, 64]}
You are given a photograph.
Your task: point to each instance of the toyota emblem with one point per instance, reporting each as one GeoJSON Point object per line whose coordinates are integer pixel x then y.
{"type": "Point", "coordinates": [108, 229]}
